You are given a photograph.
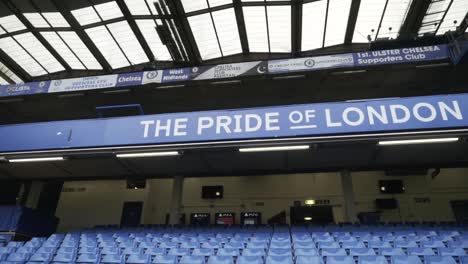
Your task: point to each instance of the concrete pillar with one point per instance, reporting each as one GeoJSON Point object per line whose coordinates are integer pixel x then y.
{"type": "Point", "coordinates": [176, 203]}
{"type": "Point", "coordinates": [348, 194]}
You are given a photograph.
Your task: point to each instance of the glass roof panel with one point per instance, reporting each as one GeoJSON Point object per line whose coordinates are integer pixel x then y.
{"type": "Point", "coordinates": [454, 17]}
{"type": "Point", "coordinates": [107, 46]}
{"type": "Point", "coordinates": [434, 15]}
{"type": "Point", "coordinates": [11, 23]}
{"type": "Point", "coordinates": [228, 33]}
{"type": "Point", "coordinates": [205, 36]}
{"type": "Point", "coordinates": [36, 20]}
{"type": "Point", "coordinates": [109, 10]}
{"type": "Point", "coordinates": [137, 7]}
{"type": "Point", "coordinates": [194, 5]}
{"type": "Point", "coordinates": [56, 19]}
{"type": "Point", "coordinates": [86, 16]}
{"type": "Point", "coordinates": [10, 74]}
{"type": "Point", "coordinates": [369, 16]}
{"type": "Point", "coordinates": [30, 43]}
{"type": "Point", "coordinates": [79, 48]}
{"type": "Point", "coordinates": [215, 3]}
{"type": "Point", "coordinates": [62, 49]}
{"type": "Point", "coordinates": [313, 24]}
{"type": "Point", "coordinates": [148, 29]}
{"type": "Point", "coordinates": [279, 26]}
{"type": "Point", "coordinates": [127, 40]}
{"type": "Point", "coordinates": [256, 27]}
{"type": "Point", "coordinates": [16, 52]}
{"type": "Point", "coordinates": [337, 22]}
{"type": "Point", "coordinates": [395, 15]}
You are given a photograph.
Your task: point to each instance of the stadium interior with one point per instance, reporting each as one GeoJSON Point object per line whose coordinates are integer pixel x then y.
{"type": "Point", "coordinates": [234, 131]}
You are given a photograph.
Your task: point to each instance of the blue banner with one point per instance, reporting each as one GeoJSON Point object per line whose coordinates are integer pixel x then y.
{"type": "Point", "coordinates": [387, 115]}
{"type": "Point", "coordinates": [233, 70]}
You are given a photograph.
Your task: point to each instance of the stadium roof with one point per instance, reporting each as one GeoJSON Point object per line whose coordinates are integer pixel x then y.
{"type": "Point", "coordinates": [45, 39]}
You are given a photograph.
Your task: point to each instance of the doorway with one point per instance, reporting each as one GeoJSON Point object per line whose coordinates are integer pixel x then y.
{"type": "Point", "coordinates": [131, 213]}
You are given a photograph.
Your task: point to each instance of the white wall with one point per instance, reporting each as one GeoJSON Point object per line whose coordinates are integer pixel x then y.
{"type": "Point", "coordinates": [101, 202]}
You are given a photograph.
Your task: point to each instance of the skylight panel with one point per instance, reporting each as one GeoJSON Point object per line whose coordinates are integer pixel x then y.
{"type": "Point", "coordinates": [215, 3]}
{"type": "Point", "coordinates": [2, 31]}
{"type": "Point", "coordinates": [107, 46]}
{"type": "Point", "coordinates": [109, 10]}
{"type": "Point", "coordinates": [205, 36]}
{"type": "Point", "coordinates": [10, 74]}
{"type": "Point", "coordinates": [148, 29]}
{"type": "Point", "coordinates": [127, 40]}
{"type": "Point", "coordinates": [194, 5]}
{"type": "Point", "coordinates": [369, 16]}
{"type": "Point", "coordinates": [279, 27]}
{"type": "Point", "coordinates": [11, 24]}
{"type": "Point", "coordinates": [435, 13]}
{"type": "Point", "coordinates": [79, 48]}
{"type": "Point", "coordinates": [337, 22]}
{"type": "Point", "coordinates": [137, 7]}
{"type": "Point", "coordinates": [30, 43]}
{"type": "Point", "coordinates": [86, 16]}
{"type": "Point", "coordinates": [36, 20]}
{"type": "Point", "coordinates": [394, 17]}
{"type": "Point", "coordinates": [56, 19]}
{"type": "Point", "coordinates": [62, 49]}
{"type": "Point", "coordinates": [454, 16]}
{"type": "Point", "coordinates": [16, 52]}
{"type": "Point", "coordinates": [256, 27]}
{"type": "Point", "coordinates": [228, 33]}
{"type": "Point", "coordinates": [313, 24]}
{"type": "Point", "coordinates": [3, 81]}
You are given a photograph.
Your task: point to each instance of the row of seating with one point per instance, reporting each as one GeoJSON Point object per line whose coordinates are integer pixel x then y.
{"type": "Point", "coordinates": [18, 258]}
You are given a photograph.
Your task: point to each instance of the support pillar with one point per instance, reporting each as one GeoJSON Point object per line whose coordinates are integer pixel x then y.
{"type": "Point", "coordinates": [176, 203]}
{"type": "Point", "coordinates": [348, 194]}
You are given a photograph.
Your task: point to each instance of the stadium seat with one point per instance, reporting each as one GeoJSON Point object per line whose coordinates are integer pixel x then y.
{"type": "Point", "coordinates": [88, 250]}
{"type": "Point", "coordinates": [392, 252]}
{"type": "Point", "coordinates": [328, 245]}
{"type": "Point", "coordinates": [340, 260]}
{"type": "Point", "coordinates": [64, 250]}
{"type": "Point", "coordinates": [464, 260]}
{"type": "Point", "coordinates": [309, 260]}
{"type": "Point", "coordinates": [189, 244]}
{"type": "Point", "coordinates": [110, 251]}
{"type": "Point", "coordinates": [420, 251]}
{"type": "Point", "coordinates": [257, 245]}
{"type": "Point", "coordinates": [18, 257]}
{"type": "Point", "coordinates": [167, 245]}
{"type": "Point", "coordinates": [64, 258]}
{"type": "Point", "coordinates": [406, 260]}
{"type": "Point", "coordinates": [220, 260]}
{"type": "Point", "coordinates": [361, 252]}
{"type": "Point", "coordinates": [179, 251]}
{"type": "Point", "coordinates": [333, 252]}
{"type": "Point", "coordinates": [352, 244]}
{"type": "Point", "coordinates": [433, 244]}
{"type": "Point", "coordinates": [192, 260]}
{"type": "Point", "coordinates": [155, 251]}
{"type": "Point", "coordinates": [305, 252]}
{"type": "Point", "coordinates": [112, 258]}
{"type": "Point", "coordinates": [159, 259]}
{"type": "Point", "coordinates": [405, 244]}
{"type": "Point", "coordinates": [41, 257]}
{"type": "Point", "coordinates": [29, 250]}
{"type": "Point", "coordinates": [279, 252]}
{"type": "Point", "coordinates": [440, 260]}
{"type": "Point", "coordinates": [278, 260]}
{"type": "Point", "coordinates": [322, 239]}
{"type": "Point", "coordinates": [88, 258]}
{"type": "Point", "coordinates": [304, 244]}
{"type": "Point", "coordinates": [132, 251]}
{"type": "Point", "coordinates": [203, 252]}
{"type": "Point", "coordinates": [7, 250]}
{"type": "Point", "coordinates": [210, 244]}
{"type": "Point", "coordinates": [452, 251]}
{"type": "Point", "coordinates": [147, 244]}
{"type": "Point", "coordinates": [15, 244]}
{"type": "Point", "coordinates": [138, 259]}
{"type": "Point", "coordinates": [253, 252]}
{"type": "Point", "coordinates": [50, 250]}
{"type": "Point", "coordinates": [228, 252]}
{"type": "Point", "coordinates": [372, 260]}
{"type": "Point", "coordinates": [249, 260]}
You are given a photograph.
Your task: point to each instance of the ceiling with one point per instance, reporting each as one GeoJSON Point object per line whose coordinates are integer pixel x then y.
{"type": "Point", "coordinates": [51, 39]}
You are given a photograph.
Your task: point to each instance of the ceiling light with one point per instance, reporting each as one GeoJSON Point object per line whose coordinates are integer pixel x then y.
{"type": "Point", "coordinates": [283, 148]}
{"type": "Point", "coordinates": [37, 159]}
{"type": "Point", "coordinates": [309, 202]}
{"type": "Point", "coordinates": [147, 154]}
{"type": "Point", "coordinates": [308, 218]}
{"type": "Point", "coordinates": [418, 141]}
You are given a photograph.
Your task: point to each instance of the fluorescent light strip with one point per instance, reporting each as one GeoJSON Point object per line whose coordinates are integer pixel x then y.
{"type": "Point", "coordinates": [147, 154]}
{"type": "Point", "coordinates": [264, 149]}
{"type": "Point", "coordinates": [417, 141]}
{"type": "Point", "coordinates": [36, 159]}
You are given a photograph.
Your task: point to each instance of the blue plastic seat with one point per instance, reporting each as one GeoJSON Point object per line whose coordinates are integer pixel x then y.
{"type": "Point", "coordinates": [112, 258]}
{"type": "Point", "coordinates": [361, 252]}
{"type": "Point", "coordinates": [228, 252]}
{"type": "Point", "coordinates": [392, 252]}
{"type": "Point", "coordinates": [167, 259]}
{"type": "Point", "coordinates": [18, 257]}
{"type": "Point", "coordinates": [346, 239]}
{"type": "Point", "coordinates": [304, 244]}
{"type": "Point", "coordinates": [64, 258]}
{"type": "Point", "coordinates": [372, 260]}
{"type": "Point", "coordinates": [138, 259]}
{"type": "Point", "coordinates": [306, 252]}
{"type": "Point", "coordinates": [433, 244]}
{"type": "Point", "coordinates": [167, 245]}
{"type": "Point", "coordinates": [440, 260]}
{"type": "Point", "coordinates": [333, 252]}
{"type": "Point", "coordinates": [234, 245]}
{"type": "Point", "coordinates": [147, 244]}
{"type": "Point", "coordinates": [88, 250]}
{"type": "Point", "coordinates": [15, 244]}
{"type": "Point", "coordinates": [220, 260]}
{"type": "Point", "coordinates": [340, 260]}
{"type": "Point", "coordinates": [33, 244]}
{"type": "Point", "coordinates": [50, 250]}
{"type": "Point", "coordinates": [406, 260]}
{"type": "Point", "coordinates": [190, 244]}
{"type": "Point", "coordinates": [405, 244]}
{"type": "Point", "coordinates": [179, 251]}
{"type": "Point", "coordinates": [63, 250]}
{"type": "Point", "coordinates": [41, 257]}
{"type": "Point", "coordinates": [421, 251]}
{"type": "Point", "coordinates": [379, 244]}
{"type": "Point", "coordinates": [328, 245]}
{"type": "Point", "coordinates": [279, 252]}
{"type": "Point", "coordinates": [155, 251]}
{"type": "Point", "coordinates": [88, 258]}
{"type": "Point", "coordinates": [203, 252]}
{"type": "Point", "coordinates": [192, 260]}
{"type": "Point", "coordinates": [352, 244]}
{"type": "Point", "coordinates": [29, 250]}
{"type": "Point", "coordinates": [7, 250]}
{"type": "Point", "coordinates": [309, 260]}
{"type": "Point", "coordinates": [324, 239]}
{"type": "Point", "coordinates": [110, 251]}
{"type": "Point", "coordinates": [257, 245]}
{"type": "Point", "coordinates": [464, 260]}
{"type": "Point", "coordinates": [279, 260]}
{"type": "Point", "coordinates": [132, 251]}
{"type": "Point", "coordinates": [249, 260]}
{"type": "Point", "coordinates": [277, 244]}
{"type": "Point", "coordinates": [260, 239]}
{"type": "Point", "coordinates": [210, 244]}
{"type": "Point", "coordinates": [253, 252]}
{"type": "Point", "coordinates": [452, 251]}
